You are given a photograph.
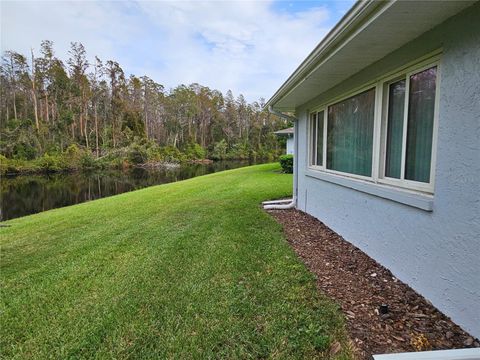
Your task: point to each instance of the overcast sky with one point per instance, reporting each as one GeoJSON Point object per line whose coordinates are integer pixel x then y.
{"type": "Point", "coordinates": [250, 47]}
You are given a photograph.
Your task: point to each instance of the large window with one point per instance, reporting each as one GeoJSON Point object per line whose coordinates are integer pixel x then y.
{"type": "Point", "coordinates": [409, 125]}
{"type": "Point", "coordinates": [344, 137]}
{"type": "Point", "coordinates": [350, 134]}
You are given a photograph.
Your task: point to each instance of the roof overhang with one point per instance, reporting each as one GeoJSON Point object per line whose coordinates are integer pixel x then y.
{"type": "Point", "coordinates": [367, 33]}
{"type": "Point", "coordinates": [285, 132]}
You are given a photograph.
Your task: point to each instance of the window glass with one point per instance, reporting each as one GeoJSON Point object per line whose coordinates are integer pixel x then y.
{"type": "Point", "coordinates": [421, 107]}
{"type": "Point", "coordinates": [320, 116]}
{"type": "Point", "coordinates": [396, 106]}
{"type": "Point", "coordinates": [350, 134]}
{"type": "Point", "coordinates": [313, 137]}
{"type": "Point", "coordinates": [408, 125]}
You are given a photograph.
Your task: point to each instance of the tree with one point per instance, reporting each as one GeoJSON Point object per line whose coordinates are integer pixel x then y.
{"type": "Point", "coordinates": [117, 86]}
{"type": "Point", "coordinates": [47, 105]}
{"type": "Point", "coordinates": [78, 65]}
{"type": "Point", "coordinates": [96, 91]}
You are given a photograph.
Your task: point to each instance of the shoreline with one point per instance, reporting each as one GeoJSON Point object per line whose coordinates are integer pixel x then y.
{"type": "Point", "coordinates": [31, 169]}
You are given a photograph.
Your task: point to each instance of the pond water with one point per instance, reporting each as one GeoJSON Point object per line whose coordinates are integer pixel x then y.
{"type": "Point", "coordinates": [29, 194]}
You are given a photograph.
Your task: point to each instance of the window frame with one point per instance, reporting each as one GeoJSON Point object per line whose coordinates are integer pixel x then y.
{"type": "Point", "coordinates": [312, 156]}
{"type": "Point", "coordinates": [324, 108]}
{"type": "Point", "coordinates": [406, 74]}
{"type": "Point", "coordinates": [379, 141]}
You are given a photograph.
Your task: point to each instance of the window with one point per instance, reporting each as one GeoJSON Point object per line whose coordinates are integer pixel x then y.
{"type": "Point", "coordinates": [421, 109]}
{"type": "Point", "coordinates": [396, 107]}
{"type": "Point", "coordinates": [385, 133]}
{"type": "Point", "coordinates": [410, 121]}
{"type": "Point", "coordinates": [316, 133]}
{"type": "Point", "coordinates": [350, 134]}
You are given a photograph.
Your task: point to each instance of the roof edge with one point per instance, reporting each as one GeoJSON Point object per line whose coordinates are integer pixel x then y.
{"type": "Point", "coordinates": [360, 11]}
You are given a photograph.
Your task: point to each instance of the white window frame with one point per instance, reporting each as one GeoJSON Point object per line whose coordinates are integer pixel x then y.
{"type": "Point", "coordinates": [312, 157]}
{"type": "Point", "coordinates": [380, 127]}
{"type": "Point", "coordinates": [402, 182]}
{"type": "Point", "coordinates": [324, 108]}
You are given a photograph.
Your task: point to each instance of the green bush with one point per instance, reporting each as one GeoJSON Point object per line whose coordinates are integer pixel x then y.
{"type": "Point", "coordinates": [154, 152]}
{"type": "Point", "coordinates": [24, 151]}
{"type": "Point", "coordinates": [138, 155]}
{"type": "Point", "coordinates": [195, 152]}
{"type": "Point", "coordinates": [115, 163]}
{"type": "Point", "coordinates": [15, 166]}
{"type": "Point", "coordinates": [219, 150]}
{"type": "Point", "coordinates": [172, 154]}
{"type": "Point", "coordinates": [5, 166]}
{"type": "Point", "coordinates": [87, 161]}
{"type": "Point", "coordinates": [50, 163]}
{"type": "Point", "coordinates": [286, 161]}
{"type": "Point", "coordinates": [73, 151]}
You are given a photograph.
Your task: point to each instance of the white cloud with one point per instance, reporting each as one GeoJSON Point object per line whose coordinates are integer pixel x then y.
{"type": "Point", "coordinates": [246, 46]}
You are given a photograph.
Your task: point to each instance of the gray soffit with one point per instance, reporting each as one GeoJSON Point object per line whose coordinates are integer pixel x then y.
{"type": "Point", "coordinates": [367, 33]}
{"type": "Point", "coordinates": [288, 131]}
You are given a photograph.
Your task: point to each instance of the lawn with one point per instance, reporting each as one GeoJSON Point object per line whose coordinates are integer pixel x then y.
{"type": "Point", "coordinates": [193, 269]}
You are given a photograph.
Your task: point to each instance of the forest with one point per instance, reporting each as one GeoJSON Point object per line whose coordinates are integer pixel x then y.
{"type": "Point", "coordinates": [59, 115]}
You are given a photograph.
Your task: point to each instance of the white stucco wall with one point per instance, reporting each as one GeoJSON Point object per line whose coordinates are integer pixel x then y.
{"type": "Point", "coordinates": [290, 146]}
{"type": "Point", "coordinates": [437, 252]}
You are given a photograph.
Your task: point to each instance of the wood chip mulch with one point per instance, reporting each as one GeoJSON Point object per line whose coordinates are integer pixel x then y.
{"type": "Point", "coordinates": [360, 286]}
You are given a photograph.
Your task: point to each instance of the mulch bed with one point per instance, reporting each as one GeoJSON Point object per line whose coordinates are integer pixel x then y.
{"type": "Point", "coordinates": [360, 286]}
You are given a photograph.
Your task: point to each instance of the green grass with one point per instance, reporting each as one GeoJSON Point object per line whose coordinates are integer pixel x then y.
{"type": "Point", "coordinates": [193, 269]}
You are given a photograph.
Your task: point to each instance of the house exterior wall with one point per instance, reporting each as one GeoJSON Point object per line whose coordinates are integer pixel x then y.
{"type": "Point", "coordinates": [290, 145]}
{"type": "Point", "coordinates": [436, 252]}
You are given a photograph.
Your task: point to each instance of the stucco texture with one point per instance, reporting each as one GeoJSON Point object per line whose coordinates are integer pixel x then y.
{"type": "Point", "coordinates": [437, 252]}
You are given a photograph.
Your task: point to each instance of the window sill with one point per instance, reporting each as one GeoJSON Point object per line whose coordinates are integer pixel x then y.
{"type": "Point", "coordinates": [407, 197]}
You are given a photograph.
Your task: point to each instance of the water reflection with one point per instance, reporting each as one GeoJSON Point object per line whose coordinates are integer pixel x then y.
{"type": "Point", "coordinates": [29, 194]}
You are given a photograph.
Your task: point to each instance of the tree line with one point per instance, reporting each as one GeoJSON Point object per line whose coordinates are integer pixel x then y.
{"type": "Point", "coordinates": [48, 105]}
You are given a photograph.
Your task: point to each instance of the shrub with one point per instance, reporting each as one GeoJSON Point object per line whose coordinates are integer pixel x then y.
{"type": "Point", "coordinates": [16, 166]}
{"type": "Point", "coordinates": [73, 151]}
{"type": "Point", "coordinates": [286, 161]}
{"type": "Point", "coordinates": [172, 154]}
{"type": "Point", "coordinates": [195, 152]}
{"type": "Point", "coordinates": [239, 152]}
{"type": "Point", "coordinates": [49, 163]}
{"type": "Point", "coordinates": [72, 156]}
{"type": "Point", "coordinates": [154, 153]}
{"type": "Point", "coordinates": [115, 163]}
{"type": "Point", "coordinates": [87, 161]}
{"type": "Point", "coordinates": [24, 151]}
{"type": "Point", "coordinates": [138, 155]}
{"type": "Point", "coordinates": [5, 166]}
{"type": "Point", "coordinates": [219, 150]}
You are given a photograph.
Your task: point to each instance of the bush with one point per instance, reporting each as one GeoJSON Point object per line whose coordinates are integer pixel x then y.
{"type": "Point", "coordinates": [172, 154]}
{"type": "Point", "coordinates": [195, 152]}
{"type": "Point", "coordinates": [138, 155]}
{"type": "Point", "coordinates": [49, 163]}
{"type": "Point", "coordinates": [5, 166]}
{"type": "Point", "coordinates": [72, 156]}
{"type": "Point", "coordinates": [115, 163]}
{"type": "Point", "coordinates": [286, 161]}
{"type": "Point", "coordinates": [17, 166]}
{"type": "Point", "coordinates": [239, 152]}
{"type": "Point", "coordinates": [219, 150]}
{"type": "Point", "coordinates": [87, 161]}
{"type": "Point", "coordinates": [73, 152]}
{"type": "Point", "coordinates": [154, 153]}
{"type": "Point", "coordinates": [24, 151]}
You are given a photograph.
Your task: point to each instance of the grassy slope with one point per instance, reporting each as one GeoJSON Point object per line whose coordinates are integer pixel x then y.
{"type": "Point", "coordinates": [192, 269]}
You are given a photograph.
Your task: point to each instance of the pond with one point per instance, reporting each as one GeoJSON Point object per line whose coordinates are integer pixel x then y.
{"type": "Point", "coordinates": [29, 194]}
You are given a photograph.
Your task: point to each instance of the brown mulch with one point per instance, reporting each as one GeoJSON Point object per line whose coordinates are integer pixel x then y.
{"type": "Point", "coordinates": [360, 285]}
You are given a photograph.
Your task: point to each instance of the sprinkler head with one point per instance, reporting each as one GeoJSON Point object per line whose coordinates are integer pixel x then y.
{"type": "Point", "coordinates": [383, 309]}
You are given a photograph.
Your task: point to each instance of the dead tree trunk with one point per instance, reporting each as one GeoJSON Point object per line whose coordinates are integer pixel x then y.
{"type": "Point", "coordinates": [34, 94]}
